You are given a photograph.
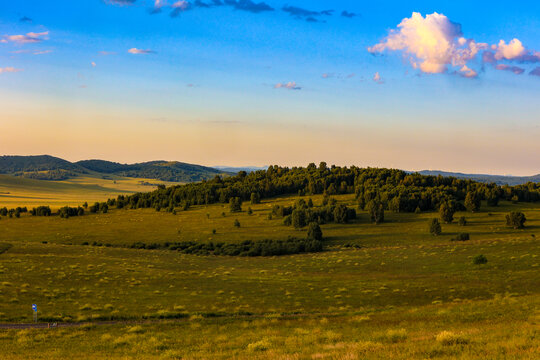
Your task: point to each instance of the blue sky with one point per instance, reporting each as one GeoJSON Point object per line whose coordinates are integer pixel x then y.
{"type": "Point", "coordinates": [235, 85]}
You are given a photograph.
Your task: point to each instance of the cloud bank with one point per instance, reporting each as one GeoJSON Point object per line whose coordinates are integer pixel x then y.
{"type": "Point", "coordinates": [433, 44]}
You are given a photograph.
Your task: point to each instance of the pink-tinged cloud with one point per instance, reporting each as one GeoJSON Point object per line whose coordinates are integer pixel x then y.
{"type": "Point", "coordinates": [140, 51]}
{"type": "Point", "coordinates": [467, 72]}
{"type": "Point", "coordinates": [31, 37]}
{"type": "Point", "coordinates": [93, 64]}
{"type": "Point", "coordinates": [9, 69]}
{"type": "Point", "coordinates": [377, 78]}
{"type": "Point", "coordinates": [535, 71]}
{"type": "Point", "coordinates": [291, 85]}
{"type": "Point", "coordinates": [515, 69]}
{"type": "Point", "coordinates": [432, 44]}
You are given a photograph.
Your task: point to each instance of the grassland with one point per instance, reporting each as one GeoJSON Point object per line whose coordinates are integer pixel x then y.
{"type": "Point", "coordinates": [17, 191]}
{"type": "Point", "coordinates": [398, 293]}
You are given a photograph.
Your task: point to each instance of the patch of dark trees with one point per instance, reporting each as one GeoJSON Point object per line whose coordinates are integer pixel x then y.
{"type": "Point", "coordinates": [383, 189]}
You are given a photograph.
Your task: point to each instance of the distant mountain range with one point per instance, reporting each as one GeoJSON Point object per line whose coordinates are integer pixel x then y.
{"type": "Point", "coordinates": [497, 179]}
{"type": "Point", "coordinates": [45, 167]}
{"type": "Point", "coordinates": [235, 170]}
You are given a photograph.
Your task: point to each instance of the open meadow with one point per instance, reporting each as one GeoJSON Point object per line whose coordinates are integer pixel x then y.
{"type": "Point", "coordinates": [19, 191]}
{"type": "Point", "coordinates": [377, 291]}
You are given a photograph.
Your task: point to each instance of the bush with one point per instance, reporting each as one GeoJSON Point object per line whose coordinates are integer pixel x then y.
{"type": "Point", "coordinates": [462, 237]}
{"type": "Point", "coordinates": [516, 220]}
{"type": "Point", "coordinates": [435, 227]}
{"type": "Point", "coordinates": [462, 221]}
{"type": "Point", "coordinates": [448, 338]}
{"type": "Point", "coordinates": [314, 232]}
{"type": "Point", "coordinates": [480, 260]}
{"type": "Point", "coordinates": [236, 223]}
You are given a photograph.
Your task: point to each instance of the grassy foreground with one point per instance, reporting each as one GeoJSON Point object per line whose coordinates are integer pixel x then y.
{"type": "Point", "coordinates": [398, 293]}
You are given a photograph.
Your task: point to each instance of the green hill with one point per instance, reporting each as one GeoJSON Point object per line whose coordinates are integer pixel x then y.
{"type": "Point", "coordinates": [45, 167]}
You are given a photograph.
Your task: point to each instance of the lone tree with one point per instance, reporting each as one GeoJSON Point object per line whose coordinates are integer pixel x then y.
{"type": "Point", "coordinates": [340, 214]}
{"type": "Point", "coordinates": [314, 231]}
{"type": "Point", "coordinates": [516, 220]}
{"type": "Point", "coordinates": [375, 209]}
{"type": "Point", "coordinates": [236, 223]}
{"type": "Point", "coordinates": [235, 204]}
{"type": "Point", "coordinates": [446, 212]}
{"type": "Point", "coordinates": [298, 218]}
{"type": "Point", "coordinates": [472, 201]}
{"type": "Point", "coordinates": [435, 227]}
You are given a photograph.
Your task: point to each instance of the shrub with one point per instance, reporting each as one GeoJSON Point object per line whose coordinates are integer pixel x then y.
{"type": "Point", "coordinates": [447, 338]}
{"type": "Point", "coordinates": [236, 223]}
{"type": "Point", "coordinates": [298, 218]}
{"type": "Point", "coordinates": [480, 260]}
{"type": "Point", "coordinates": [462, 237]}
{"type": "Point", "coordinates": [516, 220]}
{"type": "Point", "coordinates": [462, 221]}
{"type": "Point", "coordinates": [250, 212]}
{"type": "Point", "coordinates": [287, 221]}
{"type": "Point", "coordinates": [435, 227]}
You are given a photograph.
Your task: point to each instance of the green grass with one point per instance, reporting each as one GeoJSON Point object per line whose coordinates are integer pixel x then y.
{"type": "Point", "coordinates": [390, 298]}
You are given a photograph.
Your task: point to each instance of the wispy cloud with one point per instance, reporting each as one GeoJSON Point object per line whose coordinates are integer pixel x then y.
{"type": "Point", "coordinates": [105, 53]}
{"type": "Point", "coordinates": [434, 44]}
{"type": "Point", "coordinates": [535, 71]}
{"type": "Point", "coordinates": [140, 51]}
{"type": "Point", "coordinates": [248, 5]}
{"type": "Point", "coordinates": [120, 2]}
{"type": "Point", "coordinates": [291, 85]}
{"type": "Point", "coordinates": [93, 64]}
{"type": "Point", "coordinates": [515, 69]}
{"type": "Point", "coordinates": [305, 14]}
{"type": "Point", "coordinates": [9, 69]}
{"type": "Point", "coordinates": [30, 37]}
{"type": "Point", "coordinates": [25, 19]}
{"type": "Point", "coordinates": [348, 14]}
{"type": "Point", "coordinates": [42, 52]}
{"type": "Point", "coordinates": [179, 7]}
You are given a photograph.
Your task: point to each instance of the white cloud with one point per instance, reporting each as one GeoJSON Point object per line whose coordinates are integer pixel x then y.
{"type": "Point", "coordinates": [182, 5]}
{"type": "Point", "coordinates": [291, 85]}
{"type": "Point", "coordinates": [93, 64]}
{"type": "Point", "coordinates": [512, 50]}
{"type": "Point", "coordinates": [140, 51]}
{"type": "Point", "coordinates": [377, 78]}
{"type": "Point", "coordinates": [434, 44]}
{"type": "Point", "coordinates": [9, 69]}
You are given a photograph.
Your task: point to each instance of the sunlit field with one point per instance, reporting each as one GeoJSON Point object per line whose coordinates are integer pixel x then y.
{"type": "Point", "coordinates": [377, 291]}
{"type": "Point", "coordinates": [17, 191]}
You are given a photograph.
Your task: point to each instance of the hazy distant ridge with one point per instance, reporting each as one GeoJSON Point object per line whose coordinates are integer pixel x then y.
{"type": "Point", "coordinates": [497, 179]}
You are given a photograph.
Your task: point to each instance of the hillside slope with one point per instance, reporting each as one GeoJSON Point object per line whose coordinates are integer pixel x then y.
{"type": "Point", "coordinates": [45, 167]}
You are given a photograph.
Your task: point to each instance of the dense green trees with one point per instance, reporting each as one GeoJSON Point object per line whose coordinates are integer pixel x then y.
{"type": "Point", "coordinates": [255, 198]}
{"type": "Point", "coordinates": [298, 218]}
{"type": "Point", "coordinates": [397, 190]}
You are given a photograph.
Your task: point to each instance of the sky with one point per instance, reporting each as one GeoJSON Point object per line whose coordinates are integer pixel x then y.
{"type": "Point", "coordinates": [446, 85]}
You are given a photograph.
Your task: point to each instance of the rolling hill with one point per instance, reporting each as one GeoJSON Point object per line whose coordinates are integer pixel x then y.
{"type": "Point", "coordinates": [45, 167]}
